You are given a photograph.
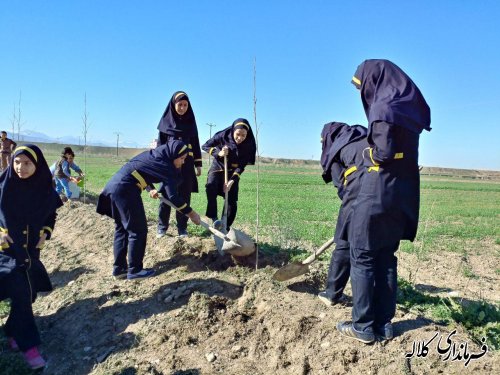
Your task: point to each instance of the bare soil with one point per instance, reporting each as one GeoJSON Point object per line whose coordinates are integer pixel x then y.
{"type": "Point", "coordinates": [209, 314]}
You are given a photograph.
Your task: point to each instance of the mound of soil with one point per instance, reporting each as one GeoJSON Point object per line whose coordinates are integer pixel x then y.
{"type": "Point", "coordinates": [205, 314]}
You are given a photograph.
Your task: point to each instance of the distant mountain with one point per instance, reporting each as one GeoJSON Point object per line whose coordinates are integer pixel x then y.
{"type": "Point", "coordinates": [34, 136]}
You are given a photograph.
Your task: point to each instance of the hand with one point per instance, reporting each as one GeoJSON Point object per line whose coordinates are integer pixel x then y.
{"type": "Point", "coordinates": [227, 186]}
{"type": "Point", "coordinates": [72, 179]}
{"type": "Point", "coordinates": [154, 194]}
{"type": "Point", "coordinates": [198, 171]}
{"type": "Point", "coordinates": [224, 151]}
{"type": "Point", "coordinates": [5, 239]}
{"type": "Point", "coordinates": [195, 218]}
{"type": "Point", "coordinates": [41, 241]}
{"type": "Point", "coordinates": [82, 174]}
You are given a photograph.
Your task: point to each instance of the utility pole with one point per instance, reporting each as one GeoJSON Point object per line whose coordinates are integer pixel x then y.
{"type": "Point", "coordinates": [211, 126]}
{"type": "Point", "coordinates": [117, 141]}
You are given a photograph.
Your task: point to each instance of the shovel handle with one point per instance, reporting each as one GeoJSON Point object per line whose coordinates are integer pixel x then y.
{"type": "Point", "coordinates": [313, 257]}
{"type": "Point", "coordinates": [202, 223]}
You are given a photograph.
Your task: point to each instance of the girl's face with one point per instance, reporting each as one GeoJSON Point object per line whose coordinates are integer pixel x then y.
{"type": "Point", "coordinates": [239, 135]}
{"type": "Point", "coordinates": [181, 107]}
{"type": "Point", "coordinates": [179, 161]}
{"type": "Point", "coordinates": [24, 167]}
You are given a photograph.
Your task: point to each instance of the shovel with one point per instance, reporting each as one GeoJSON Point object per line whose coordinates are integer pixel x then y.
{"type": "Point", "coordinates": [295, 269]}
{"type": "Point", "coordinates": [224, 215]}
{"type": "Point", "coordinates": [228, 244]}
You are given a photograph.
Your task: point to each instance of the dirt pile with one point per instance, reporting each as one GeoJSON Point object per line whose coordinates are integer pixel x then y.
{"type": "Point", "coordinates": [204, 314]}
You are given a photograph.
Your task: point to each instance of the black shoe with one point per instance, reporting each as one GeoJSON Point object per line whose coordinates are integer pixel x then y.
{"type": "Point", "coordinates": [142, 274]}
{"type": "Point", "coordinates": [385, 332]}
{"type": "Point", "coordinates": [120, 273]}
{"type": "Point", "coordinates": [325, 298]}
{"type": "Point", "coordinates": [182, 233]}
{"type": "Point", "coordinates": [348, 330]}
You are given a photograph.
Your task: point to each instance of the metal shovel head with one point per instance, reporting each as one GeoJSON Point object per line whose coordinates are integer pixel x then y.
{"type": "Point", "coordinates": [245, 247]}
{"type": "Point", "coordinates": [290, 271]}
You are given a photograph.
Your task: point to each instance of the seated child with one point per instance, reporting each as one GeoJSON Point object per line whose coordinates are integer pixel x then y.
{"type": "Point", "coordinates": [62, 173]}
{"type": "Point", "coordinates": [341, 160]}
{"type": "Point", "coordinates": [238, 144]}
{"type": "Point", "coordinates": [28, 206]}
{"type": "Point", "coordinates": [121, 200]}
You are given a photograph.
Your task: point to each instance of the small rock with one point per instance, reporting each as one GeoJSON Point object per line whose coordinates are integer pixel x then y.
{"type": "Point", "coordinates": [236, 348]}
{"type": "Point", "coordinates": [210, 357]}
{"type": "Point", "coordinates": [71, 282]}
{"type": "Point", "coordinates": [166, 291]}
{"type": "Point", "coordinates": [128, 300]}
{"type": "Point", "coordinates": [168, 299]}
{"type": "Point", "coordinates": [322, 315]}
{"type": "Point", "coordinates": [453, 294]}
{"type": "Point", "coordinates": [87, 349]}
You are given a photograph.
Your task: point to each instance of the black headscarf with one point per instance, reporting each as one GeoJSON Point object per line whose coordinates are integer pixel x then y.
{"type": "Point", "coordinates": [172, 123]}
{"type": "Point", "coordinates": [156, 160]}
{"type": "Point", "coordinates": [245, 150]}
{"type": "Point", "coordinates": [334, 137]}
{"type": "Point", "coordinates": [27, 201]}
{"type": "Point", "coordinates": [388, 94]}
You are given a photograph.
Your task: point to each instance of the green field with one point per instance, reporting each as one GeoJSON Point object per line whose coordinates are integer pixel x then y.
{"type": "Point", "coordinates": [295, 206]}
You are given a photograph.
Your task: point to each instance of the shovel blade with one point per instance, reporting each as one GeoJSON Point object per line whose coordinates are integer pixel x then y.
{"type": "Point", "coordinates": [290, 271]}
{"type": "Point", "coordinates": [245, 245]}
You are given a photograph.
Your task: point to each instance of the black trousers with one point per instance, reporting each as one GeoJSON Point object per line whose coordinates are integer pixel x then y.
{"type": "Point", "coordinates": [215, 188]}
{"type": "Point", "coordinates": [338, 271]}
{"type": "Point", "coordinates": [374, 287]}
{"type": "Point", "coordinates": [21, 323]}
{"type": "Point", "coordinates": [131, 231]}
{"type": "Point", "coordinates": [184, 189]}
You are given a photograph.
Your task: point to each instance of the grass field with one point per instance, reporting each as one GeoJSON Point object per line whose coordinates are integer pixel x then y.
{"type": "Point", "coordinates": [296, 206]}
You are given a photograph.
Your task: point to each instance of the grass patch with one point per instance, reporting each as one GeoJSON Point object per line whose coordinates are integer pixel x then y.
{"type": "Point", "coordinates": [481, 319]}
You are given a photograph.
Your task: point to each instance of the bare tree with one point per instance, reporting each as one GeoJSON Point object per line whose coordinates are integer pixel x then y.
{"type": "Point", "coordinates": [258, 160]}
{"type": "Point", "coordinates": [17, 117]}
{"type": "Point", "coordinates": [117, 141]}
{"type": "Point", "coordinates": [211, 126]}
{"type": "Point", "coordinates": [85, 130]}
{"type": "Point", "coordinates": [13, 121]}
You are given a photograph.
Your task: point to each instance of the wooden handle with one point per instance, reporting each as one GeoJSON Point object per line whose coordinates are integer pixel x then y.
{"type": "Point", "coordinates": [202, 223]}
{"type": "Point", "coordinates": [313, 257]}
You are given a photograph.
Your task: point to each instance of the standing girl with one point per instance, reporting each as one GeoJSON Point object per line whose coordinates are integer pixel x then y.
{"type": "Point", "coordinates": [386, 208]}
{"type": "Point", "coordinates": [237, 143]}
{"type": "Point", "coordinates": [121, 200]}
{"type": "Point", "coordinates": [178, 122]}
{"type": "Point", "coordinates": [28, 204]}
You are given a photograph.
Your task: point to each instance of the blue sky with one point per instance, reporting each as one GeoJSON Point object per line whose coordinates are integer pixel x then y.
{"type": "Point", "coordinates": [130, 56]}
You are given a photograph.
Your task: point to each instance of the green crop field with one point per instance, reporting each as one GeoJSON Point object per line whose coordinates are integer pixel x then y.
{"type": "Point", "coordinates": [295, 206]}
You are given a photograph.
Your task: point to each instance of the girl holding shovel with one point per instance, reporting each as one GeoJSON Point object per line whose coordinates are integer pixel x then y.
{"type": "Point", "coordinates": [342, 163]}
{"type": "Point", "coordinates": [232, 150]}
{"type": "Point", "coordinates": [121, 200]}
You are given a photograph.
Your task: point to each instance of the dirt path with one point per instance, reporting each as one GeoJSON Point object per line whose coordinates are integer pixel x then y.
{"type": "Point", "coordinates": [202, 314]}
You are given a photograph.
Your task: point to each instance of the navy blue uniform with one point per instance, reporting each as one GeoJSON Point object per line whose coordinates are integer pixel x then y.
{"type": "Point", "coordinates": [386, 208]}
{"type": "Point", "coordinates": [27, 210]}
{"type": "Point", "coordinates": [172, 126]}
{"type": "Point", "coordinates": [239, 156]}
{"type": "Point", "coordinates": [121, 200]}
{"type": "Point", "coordinates": [342, 162]}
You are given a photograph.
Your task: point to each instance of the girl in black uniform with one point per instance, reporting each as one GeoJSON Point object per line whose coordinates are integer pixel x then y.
{"type": "Point", "coordinates": [237, 142]}
{"type": "Point", "coordinates": [121, 200]}
{"type": "Point", "coordinates": [178, 122]}
{"type": "Point", "coordinates": [342, 163]}
{"type": "Point", "coordinates": [28, 204]}
{"type": "Point", "coordinates": [386, 208]}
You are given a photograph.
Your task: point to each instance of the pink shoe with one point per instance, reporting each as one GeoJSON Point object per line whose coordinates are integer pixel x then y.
{"type": "Point", "coordinates": [13, 344]}
{"type": "Point", "coordinates": [33, 358]}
